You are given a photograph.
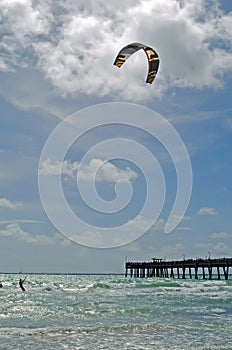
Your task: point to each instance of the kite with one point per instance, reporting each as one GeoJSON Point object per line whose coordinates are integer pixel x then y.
{"type": "Point", "coordinates": [152, 57]}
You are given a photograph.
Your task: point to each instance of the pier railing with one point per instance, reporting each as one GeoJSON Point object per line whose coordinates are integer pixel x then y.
{"type": "Point", "coordinates": [192, 268]}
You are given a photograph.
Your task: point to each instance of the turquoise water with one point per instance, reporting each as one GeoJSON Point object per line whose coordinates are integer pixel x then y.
{"type": "Point", "coordinates": [114, 312]}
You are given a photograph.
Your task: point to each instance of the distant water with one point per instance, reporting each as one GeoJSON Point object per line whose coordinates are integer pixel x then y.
{"type": "Point", "coordinates": [114, 312]}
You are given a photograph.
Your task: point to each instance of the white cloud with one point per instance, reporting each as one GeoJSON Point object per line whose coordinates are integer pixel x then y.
{"type": "Point", "coordinates": [14, 231]}
{"type": "Point", "coordinates": [89, 238]}
{"type": "Point", "coordinates": [183, 228]}
{"type": "Point", "coordinates": [182, 219]}
{"type": "Point", "coordinates": [6, 203]}
{"type": "Point", "coordinates": [24, 18]}
{"type": "Point", "coordinates": [140, 222]}
{"type": "Point", "coordinates": [220, 235]}
{"type": "Point", "coordinates": [127, 235]}
{"type": "Point", "coordinates": [74, 44]}
{"type": "Point", "coordinates": [204, 246]}
{"type": "Point", "coordinates": [3, 65]}
{"type": "Point", "coordinates": [96, 169]}
{"type": "Point", "coordinates": [207, 211]}
{"type": "Point", "coordinates": [220, 249]}
{"type": "Point", "coordinates": [174, 251]}
{"type": "Point", "coordinates": [22, 221]}
{"type": "Point", "coordinates": [223, 249]}
{"type": "Point", "coordinates": [105, 172]}
{"type": "Point", "coordinates": [51, 168]}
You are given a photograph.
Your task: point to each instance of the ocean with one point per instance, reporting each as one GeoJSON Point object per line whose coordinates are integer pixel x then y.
{"type": "Point", "coordinates": [114, 312]}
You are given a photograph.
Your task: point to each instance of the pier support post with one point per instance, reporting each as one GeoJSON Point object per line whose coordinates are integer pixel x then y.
{"type": "Point", "coordinates": [172, 273]}
{"type": "Point", "coordinates": [218, 272]}
{"type": "Point", "coordinates": [203, 273]}
{"type": "Point", "coordinates": [210, 272]}
{"type": "Point", "coordinates": [226, 272]}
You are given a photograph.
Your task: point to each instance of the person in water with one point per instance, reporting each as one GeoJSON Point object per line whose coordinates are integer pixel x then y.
{"type": "Point", "coordinates": [21, 284]}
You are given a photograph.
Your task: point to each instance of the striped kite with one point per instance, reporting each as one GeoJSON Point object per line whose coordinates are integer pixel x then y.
{"type": "Point", "coordinates": [152, 57]}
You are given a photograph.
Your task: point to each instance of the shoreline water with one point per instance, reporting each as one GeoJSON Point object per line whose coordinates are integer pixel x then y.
{"type": "Point", "coordinates": [111, 312]}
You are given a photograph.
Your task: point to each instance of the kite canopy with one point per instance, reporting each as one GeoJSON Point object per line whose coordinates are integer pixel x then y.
{"type": "Point", "coordinates": [152, 57]}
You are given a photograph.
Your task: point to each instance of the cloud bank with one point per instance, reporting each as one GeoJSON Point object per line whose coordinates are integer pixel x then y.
{"type": "Point", "coordinates": [73, 44]}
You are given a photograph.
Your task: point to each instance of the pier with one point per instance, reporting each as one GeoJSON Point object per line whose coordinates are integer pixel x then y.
{"type": "Point", "coordinates": [190, 268]}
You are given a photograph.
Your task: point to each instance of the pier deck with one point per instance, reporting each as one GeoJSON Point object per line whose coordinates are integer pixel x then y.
{"type": "Point", "coordinates": [180, 268]}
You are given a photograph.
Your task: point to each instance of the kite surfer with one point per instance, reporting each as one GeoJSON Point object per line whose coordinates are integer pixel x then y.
{"type": "Point", "coordinates": [21, 284]}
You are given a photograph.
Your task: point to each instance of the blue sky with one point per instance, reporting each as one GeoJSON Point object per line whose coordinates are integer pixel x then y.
{"type": "Point", "coordinates": [56, 59]}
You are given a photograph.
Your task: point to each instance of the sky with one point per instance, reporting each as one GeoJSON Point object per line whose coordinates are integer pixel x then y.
{"type": "Point", "coordinates": [95, 164]}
